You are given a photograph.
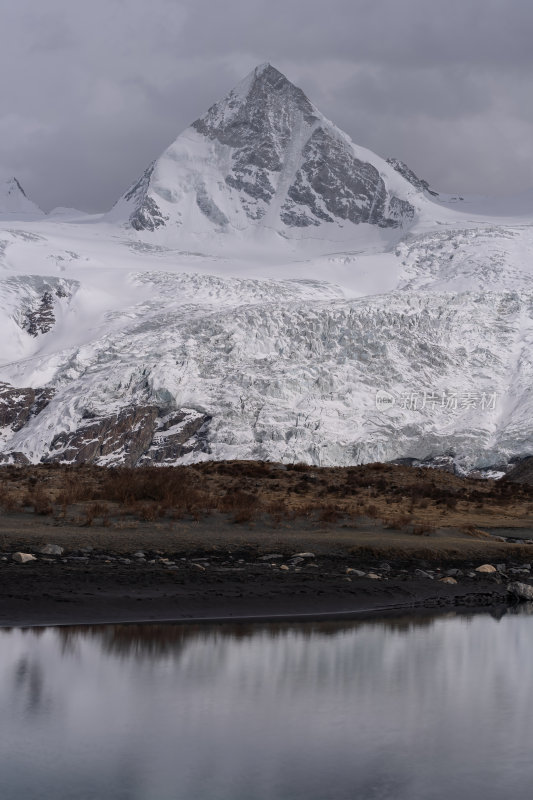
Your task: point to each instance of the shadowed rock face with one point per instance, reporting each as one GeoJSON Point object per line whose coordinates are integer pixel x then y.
{"type": "Point", "coordinates": [135, 434]}
{"type": "Point", "coordinates": [177, 434]}
{"type": "Point", "coordinates": [41, 319]}
{"type": "Point", "coordinates": [410, 176]}
{"type": "Point", "coordinates": [259, 130]}
{"type": "Point", "coordinates": [333, 184]}
{"type": "Point", "coordinates": [18, 406]}
{"type": "Point", "coordinates": [522, 472]}
{"type": "Point", "coordinates": [263, 121]}
{"type": "Point", "coordinates": [147, 216]}
{"type": "Point", "coordinates": [124, 436]}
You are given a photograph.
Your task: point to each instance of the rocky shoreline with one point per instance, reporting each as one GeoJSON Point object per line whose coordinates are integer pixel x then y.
{"type": "Point", "coordinates": [242, 540]}
{"type": "Point", "coordinates": [52, 585]}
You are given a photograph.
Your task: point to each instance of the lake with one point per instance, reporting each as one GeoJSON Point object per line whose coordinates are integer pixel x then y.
{"type": "Point", "coordinates": [404, 708]}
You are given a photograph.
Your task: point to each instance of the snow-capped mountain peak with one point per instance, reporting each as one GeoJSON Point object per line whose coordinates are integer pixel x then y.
{"type": "Point", "coordinates": [258, 293]}
{"type": "Point", "coordinates": [264, 157]}
{"type": "Point", "coordinates": [14, 200]}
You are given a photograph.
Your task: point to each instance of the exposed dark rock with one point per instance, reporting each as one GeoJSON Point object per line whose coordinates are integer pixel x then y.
{"type": "Point", "coordinates": [147, 215]}
{"type": "Point", "coordinates": [115, 438]}
{"type": "Point", "coordinates": [259, 131]}
{"type": "Point", "coordinates": [177, 434]}
{"type": "Point", "coordinates": [40, 318]}
{"type": "Point", "coordinates": [522, 471]}
{"type": "Point", "coordinates": [15, 458]}
{"type": "Point", "coordinates": [333, 184]}
{"type": "Point", "coordinates": [17, 406]}
{"type": "Point", "coordinates": [207, 206]}
{"type": "Point", "coordinates": [410, 176]}
{"type": "Point", "coordinates": [143, 433]}
{"type": "Point", "coordinates": [133, 435]}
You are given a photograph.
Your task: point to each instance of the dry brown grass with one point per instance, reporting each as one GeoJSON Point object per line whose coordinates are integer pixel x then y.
{"type": "Point", "coordinates": [403, 498]}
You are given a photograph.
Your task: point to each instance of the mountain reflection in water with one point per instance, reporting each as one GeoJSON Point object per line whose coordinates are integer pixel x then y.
{"type": "Point", "coordinates": [404, 708]}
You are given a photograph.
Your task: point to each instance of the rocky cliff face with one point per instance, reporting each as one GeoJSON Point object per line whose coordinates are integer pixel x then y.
{"type": "Point", "coordinates": [264, 155]}
{"type": "Point", "coordinates": [146, 434]}
{"type": "Point", "coordinates": [17, 408]}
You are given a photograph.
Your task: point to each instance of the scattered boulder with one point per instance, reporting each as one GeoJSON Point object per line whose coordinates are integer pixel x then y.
{"type": "Point", "coordinates": [284, 567]}
{"type": "Point", "coordinates": [486, 569]}
{"type": "Point", "coordinates": [304, 555]}
{"type": "Point", "coordinates": [52, 550]}
{"type": "Point", "coordinates": [420, 573]}
{"type": "Point", "coordinates": [373, 576]}
{"type": "Point", "coordinates": [23, 558]}
{"type": "Point", "coordinates": [520, 591]}
{"type": "Point", "coordinates": [271, 557]}
{"type": "Point", "coordinates": [448, 579]}
{"type": "Point", "coordinates": [357, 572]}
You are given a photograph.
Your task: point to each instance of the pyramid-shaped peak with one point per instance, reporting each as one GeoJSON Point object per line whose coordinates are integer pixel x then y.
{"type": "Point", "coordinates": [14, 200]}
{"type": "Point", "coordinates": [264, 156]}
{"type": "Point", "coordinates": [13, 186]}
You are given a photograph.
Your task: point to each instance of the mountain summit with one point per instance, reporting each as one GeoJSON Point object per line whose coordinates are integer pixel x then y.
{"type": "Point", "coordinates": [265, 157]}
{"type": "Point", "coordinates": [14, 200]}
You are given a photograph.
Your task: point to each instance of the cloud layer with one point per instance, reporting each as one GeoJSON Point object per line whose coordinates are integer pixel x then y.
{"type": "Point", "coordinates": [92, 92]}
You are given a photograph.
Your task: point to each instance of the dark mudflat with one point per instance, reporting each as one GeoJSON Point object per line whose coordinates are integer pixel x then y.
{"type": "Point", "coordinates": [71, 593]}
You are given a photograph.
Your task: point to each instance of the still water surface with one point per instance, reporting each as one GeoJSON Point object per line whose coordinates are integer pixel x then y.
{"type": "Point", "coordinates": [406, 709]}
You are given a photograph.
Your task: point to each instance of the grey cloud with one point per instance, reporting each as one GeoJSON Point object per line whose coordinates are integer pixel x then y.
{"type": "Point", "coordinates": [90, 93]}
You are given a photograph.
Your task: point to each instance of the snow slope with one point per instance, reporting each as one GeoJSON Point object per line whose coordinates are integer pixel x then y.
{"type": "Point", "coordinates": [332, 342]}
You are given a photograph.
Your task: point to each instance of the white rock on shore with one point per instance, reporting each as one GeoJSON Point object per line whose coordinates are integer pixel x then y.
{"type": "Point", "coordinates": [23, 558]}
{"type": "Point", "coordinates": [521, 591]}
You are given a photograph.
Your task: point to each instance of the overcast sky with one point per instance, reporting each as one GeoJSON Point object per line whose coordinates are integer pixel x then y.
{"type": "Point", "coordinates": [91, 92]}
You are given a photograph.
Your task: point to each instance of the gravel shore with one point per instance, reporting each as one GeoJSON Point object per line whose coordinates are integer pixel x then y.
{"type": "Point", "coordinates": [95, 586]}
